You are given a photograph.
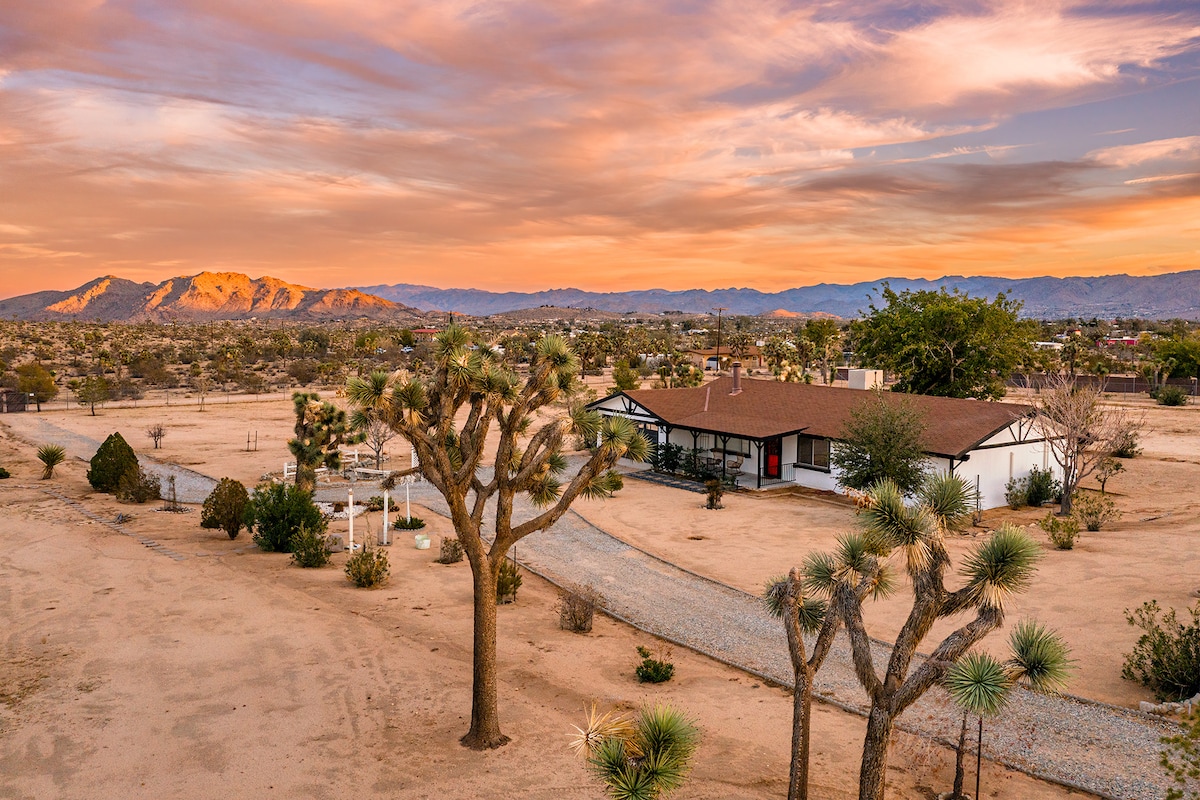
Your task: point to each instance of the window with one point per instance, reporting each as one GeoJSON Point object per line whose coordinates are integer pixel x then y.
{"type": "Point", "coordinates": [811, 452]}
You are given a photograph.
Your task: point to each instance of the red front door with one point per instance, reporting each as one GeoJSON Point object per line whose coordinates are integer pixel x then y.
{"type": "Point", "coordinates": [772, 454]}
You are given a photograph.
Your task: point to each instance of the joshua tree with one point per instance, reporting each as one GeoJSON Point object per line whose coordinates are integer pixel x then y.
{"type": "Point", "coordinates": [371, 421]}
{"type": "Point", "coordinates": [51, 455]}
{"type": "Point", "coordinates": [981, 685]}
{"type": "Point", "coordinates": [994, 570]}
{"type": "Point", "coordinates": [639, 759]}
{"type": "Point", "coordinates": [787, 598]}
{"type": "Point", "coordinates": [451, 446]}
{"type": "Point", "coordinates": [320, 429]}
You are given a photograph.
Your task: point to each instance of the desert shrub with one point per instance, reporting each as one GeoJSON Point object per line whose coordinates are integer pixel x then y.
{"type": "Point", "coordinates": [1127, 445]}
{"type": "Point", "coordinates": [666, 458]}
{"type": "Point", "coordinates": [4, 473]}
{"type": "Point", "coordinates": [278, 511]}
{"type": "Point", "coordinates": [310, 548]}
{"type": "Point", "coordinates": [654, 667]}
{"type": "Point", "coordinates": [1041, 487]}
{"type": "Point", "coordinates": [227, 508]}
{"type": "Point", "coordinates": [375, 503]}
{"type": "Point", "coordinates": [409, 524]}
{"type": "Point", "coordinates": [368, 568]}
{"type": "Point", "coordinates": [1181, 759]}
{"type": "Point", "coordinates": [138, 486]}
{"type": "Point", "coordinates": [1166, 657]}
{"type": "Point", "coordinates": [451, 552]}
{"type": "Point", "coordinates": [615, 482]}
{"type": "Point", "coordinates": [112, 460]}
{"type": "Point", "coordinates": [576, 608]}
{"type": "Point", "coordinates": [1016, 493]}
{"type": "Point", "coordinates": [507, 582]}
{"type": "Point", "coordinates": [1171, 396]}
{"type": "Point", "coordinates": [51, 455]}
{"type": "Point", "coordinates": [715, 491]}
{"type": "Point", "coordinates": [1062, 530]}
{"type": "Point", "coordinates": [1094, 510]}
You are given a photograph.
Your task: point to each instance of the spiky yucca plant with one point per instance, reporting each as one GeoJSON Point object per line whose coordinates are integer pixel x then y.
{"type": "Point", "coordinates": [640, 759]}
{"type": "Point", "coordinates": [981, 685]}
{"type": "Point", "coordinates": [51, 455]}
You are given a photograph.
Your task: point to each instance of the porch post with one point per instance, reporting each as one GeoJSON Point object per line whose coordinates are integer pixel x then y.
{"type": "Point", "coordinates": [759, 469]}
{"type": "Point", "coordinates": [724, 447]}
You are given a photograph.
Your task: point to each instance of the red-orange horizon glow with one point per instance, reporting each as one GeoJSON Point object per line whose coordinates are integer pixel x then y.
{"type": "Point", "coordinates": [596, 145]}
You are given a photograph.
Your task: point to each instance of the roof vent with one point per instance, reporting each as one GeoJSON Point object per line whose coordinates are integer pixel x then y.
{"type": "Point", "coordinates": [737, 378]}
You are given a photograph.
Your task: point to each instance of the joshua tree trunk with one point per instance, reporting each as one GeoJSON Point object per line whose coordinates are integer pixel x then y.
{"type": "Point", "coordinates": [484, 733]}
{"type": "Point", "coordinates": [873, 775]}
{"type": "Point", "coordinates": [958, 761]}
{"type": "Point", "coordinates": [801, 722]}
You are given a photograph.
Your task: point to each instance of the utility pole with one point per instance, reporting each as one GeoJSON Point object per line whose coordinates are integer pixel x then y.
{"type": "Point", "coordinates": [719, 309]}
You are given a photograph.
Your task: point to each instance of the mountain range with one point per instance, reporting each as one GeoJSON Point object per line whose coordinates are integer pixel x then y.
{"type": "Point", "coordinates": [207, 296]}
{"type": "Point", "coordinates": [1153, 297]}
{"type": "Point", "coordinates": [230, 295]}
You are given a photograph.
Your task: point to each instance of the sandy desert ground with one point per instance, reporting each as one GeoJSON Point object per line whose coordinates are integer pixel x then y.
{"type": "Point", "coordinates": [127, 674]}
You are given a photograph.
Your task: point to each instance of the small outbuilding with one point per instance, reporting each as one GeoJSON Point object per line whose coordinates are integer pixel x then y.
{"type": "Point", "coordinates": [772, 433]}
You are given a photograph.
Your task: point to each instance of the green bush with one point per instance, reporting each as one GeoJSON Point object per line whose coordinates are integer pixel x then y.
{"type": "Point", "coordinates": [452, 550]}
{"type": "Point", "coordinates": [310, 548]}
{"type": "Point", "coordinates": [51, 455]}
{"type": "Point", "coordinates": [654, 667]}
{"type": "Point", "coordinates": [1166, 658]}
{"type": "Point", "coordinates": [1094, 510]}
{"type": "Point", "coordinates": [1172, 396]}
{"type": "Point", "coordinates": [1041, 487]}
{"type": "Point", "coordinates": [1062, 530]}
{"type": "Point", "coordinates": [139, 486]}
{"type": "Point", "coordinates": [507, 582]}
{"type": "Point", "coordinates": [1127, 446]}
{"type": "Point", "coordinates": [375, 503]}
{"type": "Point", "coordinates": [1016, 493]}
{"type": "Point", "coordinates": [278, 511]}
{"type": "Point", "coordinates": [409, 524]}
{"type": "Point", "coordinates": [113, 459]}
{"type": "Point", "coordinates": [227, 508]}
{"type": "Point", "coordinates": [367, 568]}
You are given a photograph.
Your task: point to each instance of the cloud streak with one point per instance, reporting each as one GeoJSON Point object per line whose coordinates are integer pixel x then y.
{"type": "Point", "coordinates": [524, 144]}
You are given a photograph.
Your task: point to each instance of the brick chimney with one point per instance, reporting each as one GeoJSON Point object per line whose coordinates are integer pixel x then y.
{"type": "Point", "coordinates": [737, 378]}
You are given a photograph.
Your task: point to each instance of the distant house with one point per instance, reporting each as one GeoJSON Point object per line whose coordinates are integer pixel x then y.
{"type": "Point", "coordinates": [774, 433]}
{"type": "Point", "coordinates": [425, 334]}
{"type": "Point", "coordinates": [706, 358]}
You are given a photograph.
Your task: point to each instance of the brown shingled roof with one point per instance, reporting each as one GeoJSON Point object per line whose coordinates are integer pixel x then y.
{"type": "Point", "coordinates": [766, 409]}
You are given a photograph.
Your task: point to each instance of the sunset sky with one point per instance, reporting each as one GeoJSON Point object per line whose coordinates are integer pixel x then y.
{"type": "Point", "coordinates": [601, 145]}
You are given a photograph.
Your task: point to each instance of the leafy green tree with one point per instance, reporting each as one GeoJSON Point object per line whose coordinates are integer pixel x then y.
{"type": "Point", "coordinates": [33, 379]}
{"type": "Point", "coordinates": [950, 345]}
{"type": "Point", "coordinates": [278, 511]}
{"type": "Point", "coordinates": [981, 685]}
{"type": "Point", "coordinates": [91, 391]}
{"type": "Point", "coordinates": [640, 759]}
{"type": "Point", "coordinates": [112, 460]}
{"type": "Point", "coordinates": [227, 508]}
{"type": "Point", "coordinates": [447, 416]}
{"type": "Point", "coordinates": [994, 570]}
{"type": "Point", "coordinates": [881, 440]}
{"type": "Point", "coordinates": [625, 377]}
{"type": "Point", "coordinates": [1182, 353]}
{"type": "Point", "coordinates": [321, 427]}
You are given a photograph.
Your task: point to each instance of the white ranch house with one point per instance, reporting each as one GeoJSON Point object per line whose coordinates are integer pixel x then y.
{"type": "Point", "coordinates": [772, 433]}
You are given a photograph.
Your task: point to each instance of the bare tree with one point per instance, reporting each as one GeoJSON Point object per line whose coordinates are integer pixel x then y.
{"type": "Point", "coordinates": [1081, 432]}
{"type": "Point", "coordinates": [447, 417]}
{"type": "Point", "coordinates": [156, 432]}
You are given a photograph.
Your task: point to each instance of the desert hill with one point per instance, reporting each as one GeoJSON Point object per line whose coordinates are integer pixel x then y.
{"type": "Point", "coordinates": [1152, 297]}
{"type": "Point", "coordinates": [209, 295]}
